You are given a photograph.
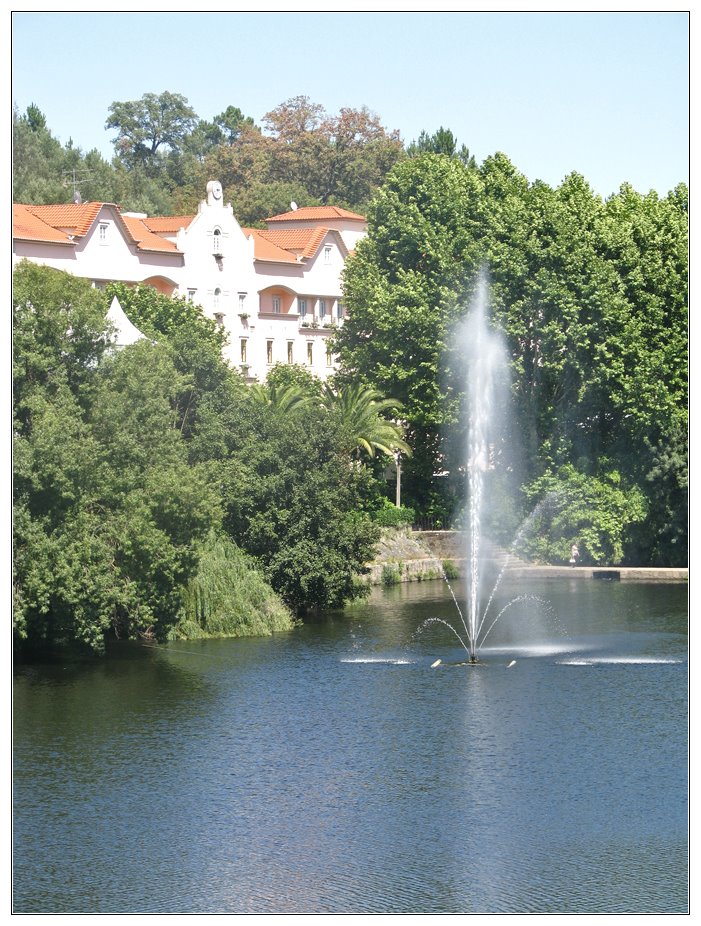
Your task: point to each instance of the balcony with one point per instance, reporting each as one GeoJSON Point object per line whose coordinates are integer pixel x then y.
{"type": "Point", "coordinates": [315, 323]}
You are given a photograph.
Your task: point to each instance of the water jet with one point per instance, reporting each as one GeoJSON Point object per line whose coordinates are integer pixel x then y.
{"type": "Point", "coordinates": [482, 372]}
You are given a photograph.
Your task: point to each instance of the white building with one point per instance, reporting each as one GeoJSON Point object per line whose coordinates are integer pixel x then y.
{"type": "Point", "coordinates": [276, 291]}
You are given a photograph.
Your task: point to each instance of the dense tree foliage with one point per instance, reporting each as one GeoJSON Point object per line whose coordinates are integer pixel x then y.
{"type": "Point", "coordinates": [165, 154]}
{"type": "Point", "coordinates": [107, 507]}
{"type": "Point", "coordinates": [295, 502]}
{"type": "Point", "coordinates": [592, 296]}
{"type": "Point", "coordinates": [155, 494]}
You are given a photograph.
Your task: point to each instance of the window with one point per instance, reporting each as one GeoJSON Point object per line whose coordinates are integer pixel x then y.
{"type": "Point", "coordinates": [329, 357]}
{"type": "Point", "coordinates": [242, 300]}
{"type": "Point", "coordinates": [217, 295]}
{"type": "Point", "coordinates": [310, 352]}
{"type": "Point", "coordinates": [290, 351]}
{"type": "Point", "coordinates": [302, 307]}
{"type": "Point", "coordinates": [103, 232]}
{"type": "Point", "coordinates": [216, 239]}
{"type": "Point", "coordinates": [191, 293]}
{"type": "Point", "coordinates": [340, 310]}
{"type": "Point", "coordinates": [276, 305]}
{"type": "Point", "coordinates": [269, 351]}
{"type": "Point", "coordinates": [327, 254]}
{"type": "Point", "coordinates": [244, 346]}
{"type": "Point", "coordinates": [322, 308]}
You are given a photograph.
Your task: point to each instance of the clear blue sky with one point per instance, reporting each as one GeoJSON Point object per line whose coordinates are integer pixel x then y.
{"type": "Point", "coordinates": [605, 94]}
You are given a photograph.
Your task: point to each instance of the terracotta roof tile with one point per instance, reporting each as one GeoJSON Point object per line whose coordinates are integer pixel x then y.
{"type": "Point", "coordinates": [76, 217]}
{"type": "Point", "coordinates": [316, 214]}
{"type": "Point", "coordinates": [265, 249]}
{"type": "Point", "coordinates": [165, 224]}
{"type": "Point", "coordinates": [145, 239]}
{"type": "Point", "coordinates": [29, 227]}
{"type": "Point", "coordinates": [295, 239]}
{"type": "Point", "coordinates": [294, 242]}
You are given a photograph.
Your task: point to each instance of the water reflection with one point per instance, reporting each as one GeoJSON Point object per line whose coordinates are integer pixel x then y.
{"type": "Point", "coordinates": [333, 770]}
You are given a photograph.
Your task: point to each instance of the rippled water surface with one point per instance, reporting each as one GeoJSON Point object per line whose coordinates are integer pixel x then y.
{"type": "Point", "coordinates": [333, 769]}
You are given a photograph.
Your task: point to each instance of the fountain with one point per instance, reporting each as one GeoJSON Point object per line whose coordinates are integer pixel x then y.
{"type": "Point", "coordinates": [484, 386]}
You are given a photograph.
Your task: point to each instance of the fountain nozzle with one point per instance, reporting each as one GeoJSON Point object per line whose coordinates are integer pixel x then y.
{"type": "Point", "coordinates": [473, 658]}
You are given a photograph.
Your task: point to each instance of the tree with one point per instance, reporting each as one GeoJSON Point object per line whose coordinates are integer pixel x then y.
{"type": "Point", "coordinates": [60, 335]}
{"type": "Point", "coordinates": [339, 159]}
{"type": "Point", "coordinates": [404, 289]}
{"type": "Point", "coordinates": [230, 123]}
{"type": "Point", "coordinates": [293, 500]}
{"type": "Point", "coordinates": [284, 400]}
{"type": "Point", "coordinates": [107, 506]}
{"type": "Point", "coordinates": [357, 156]}
{"type": "Point", "coordinates": [360, 411]}
{"type": "Point", "coordinates": [44, 171]}
{"type": "Point", "coordinates": [196, 343]}
{"type": "Point", "coordinates": [596, 513]}
{"type": "Point", "coordinates": [144, 126]}
{"type": "Point", "coordinates": [441, 142]}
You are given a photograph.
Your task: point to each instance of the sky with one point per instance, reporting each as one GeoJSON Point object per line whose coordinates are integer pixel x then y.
{"type": "Point", "coordinates": [604, 94]}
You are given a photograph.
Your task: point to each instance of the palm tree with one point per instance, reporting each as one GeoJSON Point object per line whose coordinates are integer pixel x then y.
{"type": "Point", "coordinates": [361, 409]}
{"type": "Point", "coordinates": [283, 399]}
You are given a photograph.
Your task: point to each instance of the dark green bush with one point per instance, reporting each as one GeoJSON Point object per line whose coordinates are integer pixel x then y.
{"type": "Point", "coordinates": [391, 516]}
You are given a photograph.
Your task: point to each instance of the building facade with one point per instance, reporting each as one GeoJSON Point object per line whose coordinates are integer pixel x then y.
{"type": "Point", "coordinates": [276, 291]}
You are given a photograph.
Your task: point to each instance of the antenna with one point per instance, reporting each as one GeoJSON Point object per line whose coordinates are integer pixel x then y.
{"type": "Point", "coordinates": [72, 177]}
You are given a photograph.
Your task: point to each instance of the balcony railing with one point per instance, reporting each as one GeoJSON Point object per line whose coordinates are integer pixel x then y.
{"type": "Point", "coordinates": [314, 321]}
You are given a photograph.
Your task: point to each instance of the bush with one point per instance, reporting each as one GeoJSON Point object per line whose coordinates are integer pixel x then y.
{"type": "Point", "coordinates": [450, 570]}
{"type": "Point", "coordinates": [595, 512]}
{"type": "Point", "coordinates": [391, 516]}
{"type": "Point", "coordinates": [391, 575]}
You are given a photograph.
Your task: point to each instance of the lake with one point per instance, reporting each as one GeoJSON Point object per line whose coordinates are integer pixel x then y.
{"type": "Point", "coordinates": [333, 770]}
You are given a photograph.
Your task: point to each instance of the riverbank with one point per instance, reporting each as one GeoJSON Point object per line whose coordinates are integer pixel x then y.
{"type": "Point", "coordinates": [404, 555]}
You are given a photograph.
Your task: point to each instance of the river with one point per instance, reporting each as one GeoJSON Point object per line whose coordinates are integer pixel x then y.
{"type": "Point", "coordinates": [332, 769]}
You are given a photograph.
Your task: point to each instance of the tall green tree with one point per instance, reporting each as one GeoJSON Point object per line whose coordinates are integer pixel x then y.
{"type": "Point", "coordinates": [107, 505]}
{"type": "Point", "coordinates": [441, 142]}
{"type": "Point", "coordinates": [293, 500]}
{"type": "Point", "coordinates": [150, 127]}
{"type": "Point", "coordinates": [404, 288]}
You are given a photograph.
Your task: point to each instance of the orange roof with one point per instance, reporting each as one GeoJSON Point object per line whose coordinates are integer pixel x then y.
{"type": "Point", "coordinates": [264, 249]}
{"type": "Point", "coordinates": [316, 214]}
{"type": "Point", "coordinates": [165, 224]}
{"type": "Point", "coordinates": [28, 227]}
{"type": "Point", "coordinates": [59, 223]}
{"type": "Point", "coordinates": [144, 237]}
{"type": "Point", "coordinates": [305, 241]}
{"type": "Point", "coordinates": [76, 217]}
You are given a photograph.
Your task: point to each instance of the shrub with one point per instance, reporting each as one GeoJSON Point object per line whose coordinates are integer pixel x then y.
{"type": "Point", "coordinates": [450, 570]}
{"type": "Point", "coordinates": [391, 574]}
{"type": "Point", "coordinates": [391, 516]}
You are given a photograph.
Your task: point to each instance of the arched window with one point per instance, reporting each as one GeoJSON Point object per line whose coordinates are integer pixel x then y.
{"type": "Point", "coordinates": [217, 295]}
{"type": "Point", "coordinates": [216, 239]}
